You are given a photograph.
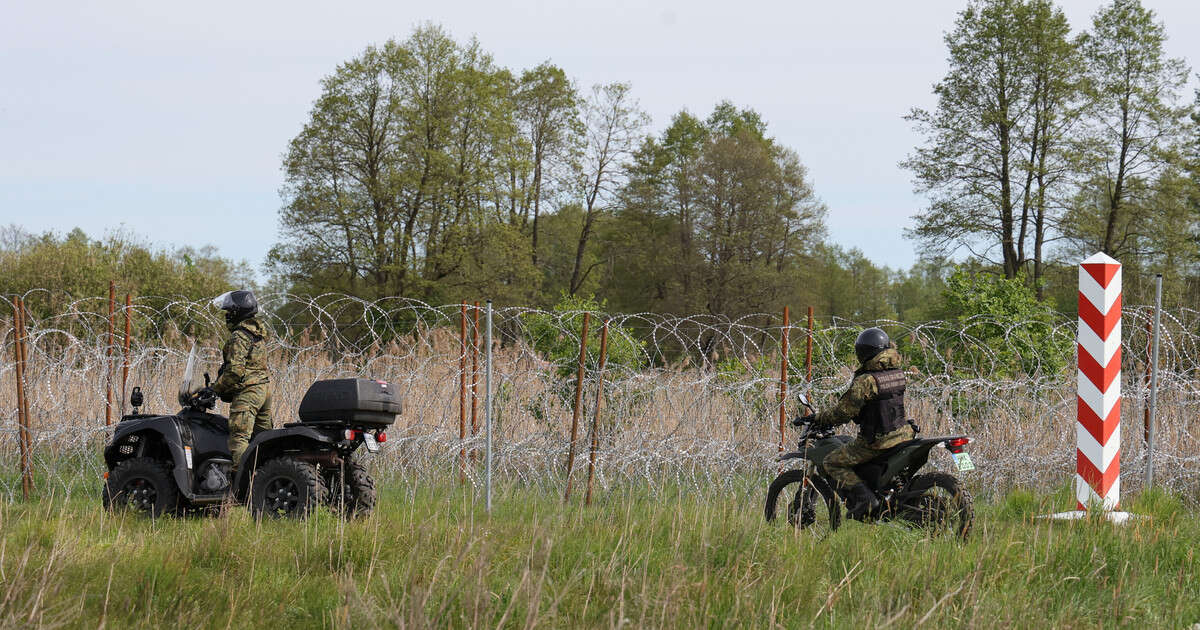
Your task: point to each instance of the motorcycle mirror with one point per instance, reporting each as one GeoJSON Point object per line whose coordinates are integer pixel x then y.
{"type": "Point", "coordinates": [804, 400]}
{"type": "Point", "coordinates": [136, 399]}
{"type": "Point", "coordinates": [207, 381]}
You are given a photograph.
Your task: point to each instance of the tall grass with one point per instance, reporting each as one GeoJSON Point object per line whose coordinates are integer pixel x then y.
{"type": "Point", "coordinates": [430, 557]}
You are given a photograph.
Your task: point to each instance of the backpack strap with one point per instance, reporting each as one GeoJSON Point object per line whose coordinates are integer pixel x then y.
{"type": "Point", "coordinates": [253, 340]}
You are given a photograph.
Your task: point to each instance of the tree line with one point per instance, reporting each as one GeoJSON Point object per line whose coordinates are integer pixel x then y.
{"type": "Point", "coordinates": [428, 171]}
{"type": "Point", "coordinates": [52, 271]}
{"type": "Point", "coordinates": [1045, 147]}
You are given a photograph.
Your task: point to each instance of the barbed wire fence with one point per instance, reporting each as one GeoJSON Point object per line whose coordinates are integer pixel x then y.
{"type": "Point", "coordinates": [687, 400]}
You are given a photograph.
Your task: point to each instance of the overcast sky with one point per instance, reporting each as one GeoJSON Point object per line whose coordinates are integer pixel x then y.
{"type": "Point", "coordinates": [169, 119]}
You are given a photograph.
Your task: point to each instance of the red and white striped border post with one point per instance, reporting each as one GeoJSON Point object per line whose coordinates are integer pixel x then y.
{"type": "Point", "coordinates": [1098, 431]}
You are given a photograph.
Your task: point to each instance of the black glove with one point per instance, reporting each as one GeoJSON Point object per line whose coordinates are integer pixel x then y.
{"type": "Point", "coordinates": [800, 421]}
{"type": "Point", "coordinates": [206, 397]}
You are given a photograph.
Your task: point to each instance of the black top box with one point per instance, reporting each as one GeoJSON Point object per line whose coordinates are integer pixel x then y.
{"type": "Point", "coordinates": [360, 401]}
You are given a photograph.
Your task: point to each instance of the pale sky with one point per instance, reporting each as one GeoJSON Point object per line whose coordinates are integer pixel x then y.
{"type": "Point", "coordinates": [169, 119]}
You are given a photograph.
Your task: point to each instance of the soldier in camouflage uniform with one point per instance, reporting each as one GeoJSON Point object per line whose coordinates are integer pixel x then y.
{"type": "Point", "coordinates": [875, 401]}
{"type": "Point", "coordinates": [243, 380]}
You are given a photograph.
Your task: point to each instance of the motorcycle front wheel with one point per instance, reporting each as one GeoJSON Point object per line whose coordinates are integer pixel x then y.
{"type": "Point", "coordinates": [813, 504]}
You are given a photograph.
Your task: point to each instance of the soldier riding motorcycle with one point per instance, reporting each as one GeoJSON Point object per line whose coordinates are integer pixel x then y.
{"type": "Point", "coordinates": [874, 473]}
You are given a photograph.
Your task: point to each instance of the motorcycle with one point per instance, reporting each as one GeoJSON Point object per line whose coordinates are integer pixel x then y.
{"type": "Point", "coordinates": [932, 500]}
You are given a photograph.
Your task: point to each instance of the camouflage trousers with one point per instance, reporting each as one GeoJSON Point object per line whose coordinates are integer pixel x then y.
{"type": "Point", "coordinates": [840, 463]}
{"type": "Point", "coordinates": [249, 413]}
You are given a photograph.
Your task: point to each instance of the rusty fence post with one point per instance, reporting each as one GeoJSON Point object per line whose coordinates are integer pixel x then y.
{"type": "Point", "coordinates": [783, 377]}
{"type": "Point", "coordinates": [20, 355]}
{"type": "Point", "coordinates": [808, 348]}
{"type": "Point", "coordinates": [578, 404]}
{"type": "Point", "coordinates": [108, 352]}
{"type": "Point", "coordinates": [595, 442]}
{"type": "Point", "coordinates": [462, 393]}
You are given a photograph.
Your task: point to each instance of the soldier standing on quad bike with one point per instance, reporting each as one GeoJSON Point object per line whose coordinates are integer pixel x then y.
{"type": "Point", "coordinates": [875, 402]}
{"type": "Point", "coordinates": [243, 380]}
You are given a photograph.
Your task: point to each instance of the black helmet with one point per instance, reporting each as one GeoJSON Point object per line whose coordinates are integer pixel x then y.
{"type": "Point", "coordinates": [238, 305]}
{"type": "Point", "coordinates": [870, 342]}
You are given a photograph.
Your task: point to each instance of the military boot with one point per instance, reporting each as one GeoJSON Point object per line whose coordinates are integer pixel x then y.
{"type": "Point", "coordinates": [860, 501]}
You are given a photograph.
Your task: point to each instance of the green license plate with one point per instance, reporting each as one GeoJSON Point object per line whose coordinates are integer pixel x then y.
{"type": "Point", "coordinates": [963, 461]}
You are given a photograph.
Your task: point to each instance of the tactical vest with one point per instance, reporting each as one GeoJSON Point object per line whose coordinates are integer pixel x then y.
{"type": "Point", "coordinates": [886, 413]}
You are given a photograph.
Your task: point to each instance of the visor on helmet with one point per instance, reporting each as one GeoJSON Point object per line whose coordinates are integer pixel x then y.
{"type": "Point", "coordinates": [224, 301]}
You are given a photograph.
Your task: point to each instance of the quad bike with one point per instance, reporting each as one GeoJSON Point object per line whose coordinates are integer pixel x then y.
{"type": "Point", "coordinates": [180, 463]}
{"type": "Point", "coordinates": [932, 500]}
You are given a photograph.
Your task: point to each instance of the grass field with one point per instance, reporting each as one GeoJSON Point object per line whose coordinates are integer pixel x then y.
{"type": "Point", "coordinates": [430, 557]}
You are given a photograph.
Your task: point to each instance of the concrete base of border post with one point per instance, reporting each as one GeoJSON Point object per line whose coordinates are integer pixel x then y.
{"type": "Point", "coordinates": [1118, 518]}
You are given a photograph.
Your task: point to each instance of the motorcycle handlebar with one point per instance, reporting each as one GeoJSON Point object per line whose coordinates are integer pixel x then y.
{"type": "Point", "coordinates": [801, 421]}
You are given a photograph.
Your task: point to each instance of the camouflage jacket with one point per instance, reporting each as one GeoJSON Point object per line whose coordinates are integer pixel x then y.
{"type": "Point", "coordinates": [862, 390]}
{"type": "Point", "coordinates": [245, 359]}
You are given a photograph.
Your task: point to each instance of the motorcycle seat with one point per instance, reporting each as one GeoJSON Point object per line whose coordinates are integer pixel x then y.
{"type": "Point", "coordinates": [888, 453]}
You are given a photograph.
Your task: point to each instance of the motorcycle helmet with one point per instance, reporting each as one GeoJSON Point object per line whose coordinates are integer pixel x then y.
{"type": "Point", "coordinates": [870, 343]}
{"type": "Point", "coordinates": [238, 305]}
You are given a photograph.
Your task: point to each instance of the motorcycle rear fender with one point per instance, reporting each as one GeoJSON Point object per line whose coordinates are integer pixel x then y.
{"type": "Point", "coordinates": [269, 444]}
{"type": "Point", "coordinates": [911, 457]}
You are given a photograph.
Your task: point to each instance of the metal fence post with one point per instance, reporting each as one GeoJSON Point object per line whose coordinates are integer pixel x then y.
{"type": "Point", "coordinates": [19, 353]}
{"type": "Point", "coordinates": [125, 349]}
{"type": "Point", "coordinates": [475, 382]}
{"type": "Point", "coordinates": [108, 352]}
{"type": "Point", "coordinates": [1153, 380]}
{"type": "Point", "coordinates": [595, 445]}
{"type": "Point", "coordinates": [783, 377]}
{"type": "Point", "coordinates": [578, 404]}
{"type": "Point", "coordinates": [487, 406]}
{"type": "Point", "coordinates": [808, 348]}
{"type": "Point", "coordinates": [462, 393]}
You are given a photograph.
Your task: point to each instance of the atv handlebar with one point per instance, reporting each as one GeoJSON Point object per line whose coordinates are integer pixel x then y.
{"type": "Point", "coordinates": [202, 399]}
{"type": "Point", "coordinates": [206, 397]}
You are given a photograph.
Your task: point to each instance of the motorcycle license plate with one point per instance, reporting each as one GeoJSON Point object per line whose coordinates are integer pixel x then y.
{"type": "Point", "coordinates": [963, 461]}
{"type": "Point", "coordinates": [372, 445]}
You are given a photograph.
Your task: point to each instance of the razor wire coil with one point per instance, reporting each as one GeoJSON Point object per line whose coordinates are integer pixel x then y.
{"type": "Point", "coordinates": [694, 402]}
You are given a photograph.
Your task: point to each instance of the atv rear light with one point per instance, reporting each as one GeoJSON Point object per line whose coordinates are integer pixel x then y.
{"type": "Point", "coordinates": [959, 442]}
{"type": "Point", "coordinates": [351, 434]}
{"type": "Point", "coordinates": [381, 437]}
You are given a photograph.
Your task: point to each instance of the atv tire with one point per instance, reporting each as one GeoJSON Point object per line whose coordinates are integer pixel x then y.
{"type": "Point", "coordinates": [286, 487]}
{"type": "Point", "coordinates": [144, 485]}
{"type": "Point", "coordinates": [937, 501]}
{"type": "Point", "coordinates": [356, 497]}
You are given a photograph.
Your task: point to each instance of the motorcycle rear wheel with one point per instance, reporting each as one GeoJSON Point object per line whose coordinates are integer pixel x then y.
{"type": "Point", "coordinates": [814, 505]}
{"type": "Point", "coordinates": [940, 503]}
